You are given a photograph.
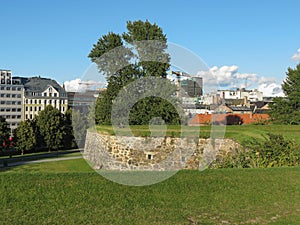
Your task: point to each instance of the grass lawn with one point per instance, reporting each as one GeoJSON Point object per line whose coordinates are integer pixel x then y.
{"type": "Point", "coordinates": [237, 132]}
{"type": "Point", "coordinates": [69, 192]}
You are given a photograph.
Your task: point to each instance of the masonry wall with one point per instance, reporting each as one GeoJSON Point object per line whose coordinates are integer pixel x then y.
{"type": "Point", "coordinates": [153, 153]}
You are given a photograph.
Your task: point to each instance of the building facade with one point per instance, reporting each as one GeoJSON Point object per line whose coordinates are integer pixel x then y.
{"type": "Point", "coordinates": [193, 87]}
{"type": "Point", "coordinates": [11, 97]}
{"type": "Point", "coordinates": [251, 95]}
{"type": "Point", "coordinates": [40, 92]}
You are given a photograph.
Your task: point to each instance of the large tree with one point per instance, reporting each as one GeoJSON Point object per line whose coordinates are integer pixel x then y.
{"type": "Point", "coordinates": [25, 136]}
{"type": "Point", "coordinates": [139, 52]}
{"type": "Point", "coordinates": [50, 122]}
{"type": "Point", "coordinates": [287, 110]}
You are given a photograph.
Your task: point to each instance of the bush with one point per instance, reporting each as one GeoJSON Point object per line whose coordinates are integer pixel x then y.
{"type": "Point", "coordinates": [274, 151]}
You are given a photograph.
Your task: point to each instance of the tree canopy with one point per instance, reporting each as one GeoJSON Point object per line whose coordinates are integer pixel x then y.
{"type": "Point", "coordinates": [25, 136]}
{"type": "Point", "coordinates": [140, 52]}
{"type": "Point", "coordinates": [50, 123]}
{"type": "Point", "coordinates": [286, 109]}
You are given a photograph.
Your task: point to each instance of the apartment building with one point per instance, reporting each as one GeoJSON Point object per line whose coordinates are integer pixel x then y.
{"type": "Point", "coordinates": [11, 97]}
{"type": "Point", "coordinates": [40, 92]}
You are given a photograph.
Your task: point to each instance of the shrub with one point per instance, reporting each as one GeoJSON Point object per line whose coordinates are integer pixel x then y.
{"type": "Point", "coordinates": [274, 151]}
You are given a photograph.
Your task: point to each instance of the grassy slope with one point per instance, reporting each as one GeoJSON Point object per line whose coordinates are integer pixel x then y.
{"type": "Point", "coordinates": [239, 133]}
{"type": "Point", "coordinates": [69, 192]}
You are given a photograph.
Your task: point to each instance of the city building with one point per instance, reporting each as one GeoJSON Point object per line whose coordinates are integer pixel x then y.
{"type": "Point", "coordinates": [11, 97]}
{"type": "Point", "coordinates": [82, 100]}
{"type": "Point", "coordinates": [251, 95]}
{"type": "Point", "coordinates": [40, 92]}
{"type": "Point", "coordinates": [193, 87]}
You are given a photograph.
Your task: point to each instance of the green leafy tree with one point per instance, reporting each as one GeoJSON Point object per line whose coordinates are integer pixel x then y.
{"type": "Point", "coordinates": [50, 123]}
{"type": "Point", "coordinates": [287, 110]}
{"type": "Point", "coordinates": [122, 66]}
{"type": "Point", "coordinates": [25, 136]}
{"type": "Point", "coordinates": [4, 131]}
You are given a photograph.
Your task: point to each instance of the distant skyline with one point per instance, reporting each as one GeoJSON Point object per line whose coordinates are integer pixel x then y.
{"type": "Point", "coordinates": [253, 40]}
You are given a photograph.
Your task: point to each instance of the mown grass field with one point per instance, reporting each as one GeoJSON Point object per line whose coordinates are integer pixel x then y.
{"type": "Point", "coordinates": [237, 132]}
{"type": "Point", "coordinates": [70, 192]}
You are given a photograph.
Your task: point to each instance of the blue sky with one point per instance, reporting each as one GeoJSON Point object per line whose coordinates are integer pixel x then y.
{"type": "Point", "coordinates": [53, 38]}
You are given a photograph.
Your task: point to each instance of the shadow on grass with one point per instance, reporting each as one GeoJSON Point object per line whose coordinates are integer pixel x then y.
{"type": "Point", "coordinates": [9, 163]}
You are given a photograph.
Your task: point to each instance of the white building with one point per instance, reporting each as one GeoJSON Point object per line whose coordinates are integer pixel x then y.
{"type": "Point", "coordinates": [251, 95]}
{"type": "Point", "coordinates": [40, 92]}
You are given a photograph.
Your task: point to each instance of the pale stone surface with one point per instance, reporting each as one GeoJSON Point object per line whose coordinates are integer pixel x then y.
{"type": "Point", "coordinates": [153, 153]}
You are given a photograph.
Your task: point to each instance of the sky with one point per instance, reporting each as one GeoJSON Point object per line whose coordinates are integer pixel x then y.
{"type": "Point", "coordinates": [253, 42]}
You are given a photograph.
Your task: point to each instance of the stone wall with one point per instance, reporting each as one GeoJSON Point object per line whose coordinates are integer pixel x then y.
{"type": "Point", "coordinates": [153, 153]}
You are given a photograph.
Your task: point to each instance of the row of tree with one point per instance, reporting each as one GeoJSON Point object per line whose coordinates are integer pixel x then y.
{"type": "Point", "coordinates": [50, 129]}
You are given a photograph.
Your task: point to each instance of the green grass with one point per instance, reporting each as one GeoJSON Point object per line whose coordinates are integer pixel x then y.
{"type": "Point", "coordinates": [237, 132]}
{"type": "Point", "coordinates": [69, 192]}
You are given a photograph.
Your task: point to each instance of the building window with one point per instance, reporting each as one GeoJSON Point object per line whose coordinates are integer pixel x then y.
{"type": "Point", "coordinates": [26, 116]}
{"type": "Point", "coordinates": [50, 90]}
{"type": "Point", "coordinates": [26, 108]}
{"type": "Point", "coordinates": [45, 94]}
{"type": "Point", "coordinates": [55, 94]}
{"type": "Point", "coordinates": [35, 108]}
{"type": "Point", "coordinates": [8, 88]}
{"type": "Point", "coordinates": [30, 108]}
{"type": "Point", "coordinates": [35, 101]}
{"type": "Point", "coordinates": [31, 116]}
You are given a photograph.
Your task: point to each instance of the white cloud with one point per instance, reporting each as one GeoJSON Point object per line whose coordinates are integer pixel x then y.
{"type": "Point", "coordinates": [79, 85]}
{"type": "Point", "coordinates": [271, 90]}
{"type": "Point", "coordinates": [228, 77]}
{"type": "Point", "coordinates": [266, 80]}
{"type": "Point", "coordinates": [296, 56]}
